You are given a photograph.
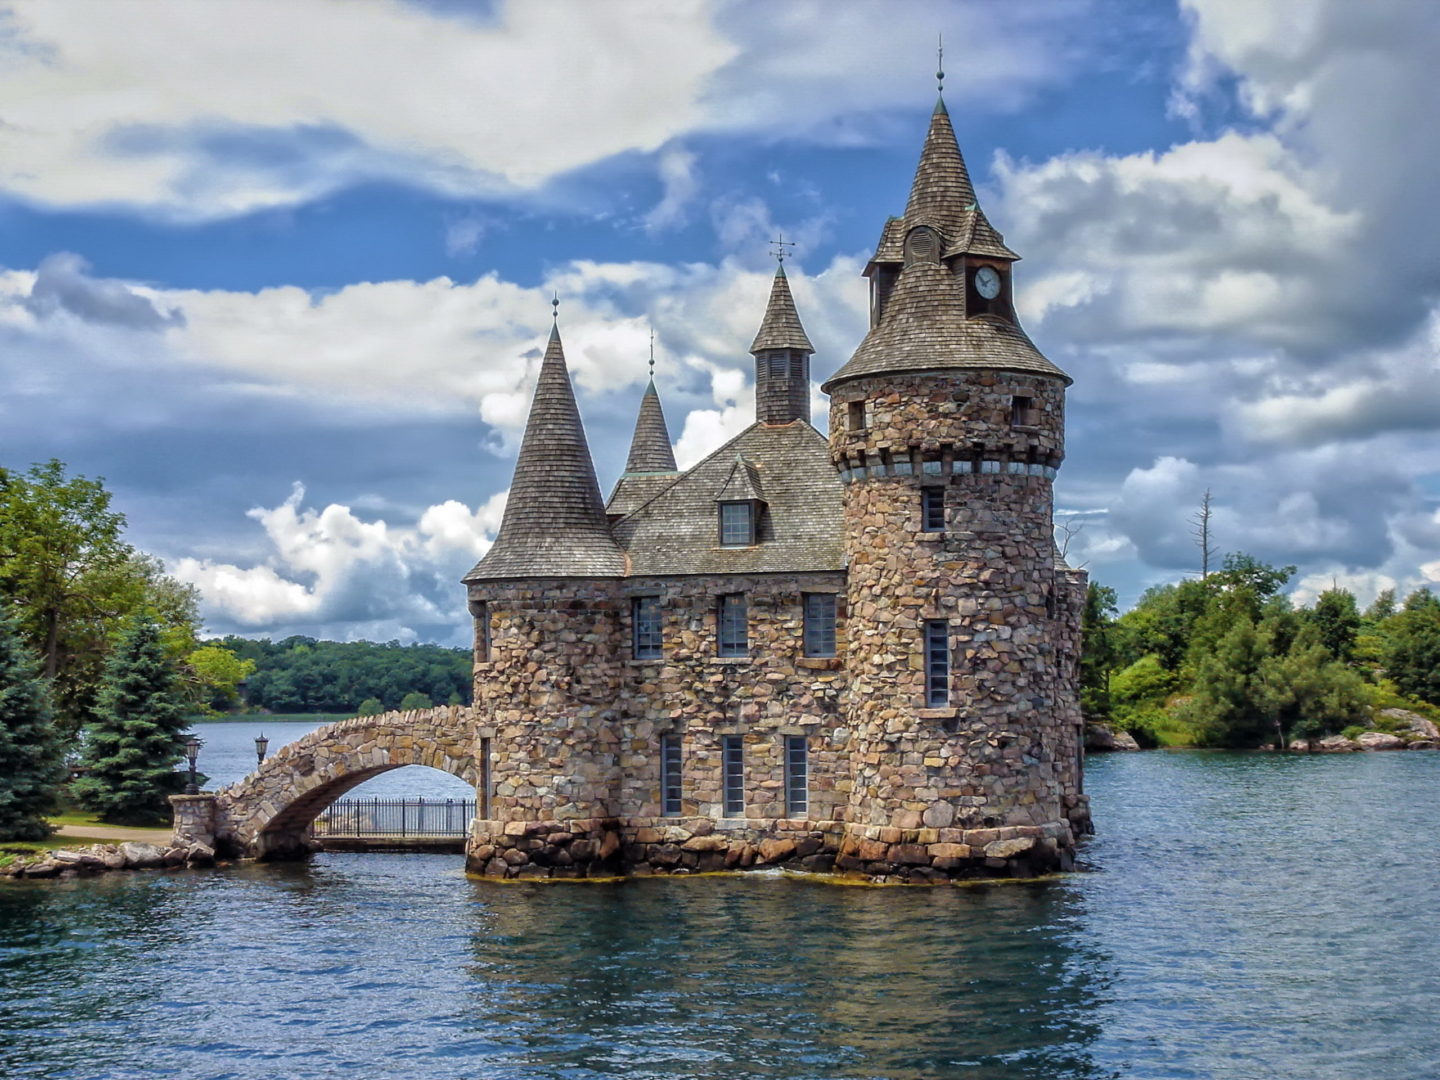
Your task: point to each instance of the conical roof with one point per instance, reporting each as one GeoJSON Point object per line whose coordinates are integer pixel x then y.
{"type": "Point", "coordinates": [924, 328]}
{"type": "Point", "coordinates": [941, 193]}
{"type": "Point", "coordinates": [781, 327]}
{"type": "Point", "coordinates": [650, 450]}
{"type": "Point", "coordinates": [554, 523]}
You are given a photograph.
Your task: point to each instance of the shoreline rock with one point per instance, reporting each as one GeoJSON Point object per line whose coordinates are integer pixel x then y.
{"type": "Point", "coordinates": [1103, 739]}
{"type": "Point", "coordinates": [104, 858]}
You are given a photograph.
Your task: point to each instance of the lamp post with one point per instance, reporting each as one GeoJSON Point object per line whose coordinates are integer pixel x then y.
{"type": "Point", "coordinates": [192, 751]}
{"type": "Point", "coordinates": [261, 745]}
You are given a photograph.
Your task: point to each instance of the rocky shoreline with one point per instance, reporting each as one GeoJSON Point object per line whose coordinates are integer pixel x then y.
{"type": "Point", "coordinates": [1416, 733]}
{"type": "Point", "coordinates": [104, 858]}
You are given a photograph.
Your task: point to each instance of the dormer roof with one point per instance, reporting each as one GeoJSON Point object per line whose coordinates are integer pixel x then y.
{"type": "Point", "coordinates": [742, 484]}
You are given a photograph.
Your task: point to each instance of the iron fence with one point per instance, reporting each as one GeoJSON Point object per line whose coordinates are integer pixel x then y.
{"type": "Point", "coordinates": [395, 817]}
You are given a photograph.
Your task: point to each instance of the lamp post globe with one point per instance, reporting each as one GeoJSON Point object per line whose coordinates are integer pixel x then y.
{"type": "Point", "coordinates": [261, 745]}
{"type": "Point", "coordinates": [192, 752]}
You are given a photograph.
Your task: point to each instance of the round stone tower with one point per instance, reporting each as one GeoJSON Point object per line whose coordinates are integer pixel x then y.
{"type": "Point", "coordinates": [947, 426]}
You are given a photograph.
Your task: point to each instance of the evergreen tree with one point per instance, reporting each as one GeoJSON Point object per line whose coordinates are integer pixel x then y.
{"type": "Point", "coordinates": [1225, 707]}
{"type": "Point", "coordinates": [1412, 650]}
{"type": "Point", "coordinates": [31, 760]}
{"type": "Point", "coordinates": [1306, 693]}
{"type": "Point", "coordinates": [138, 735]}
{"type": "Point", "coordinates": [1097, 653]}
{"type": "Point", "coordinates": [1337, 618]}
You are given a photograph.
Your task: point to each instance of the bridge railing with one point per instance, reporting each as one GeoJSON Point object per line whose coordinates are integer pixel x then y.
{"type": "Point", "coordinates": [395, 817]}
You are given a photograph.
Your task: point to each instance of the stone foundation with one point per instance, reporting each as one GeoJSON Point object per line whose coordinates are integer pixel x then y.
{"type": "Point", "coordinates": [644, 847]}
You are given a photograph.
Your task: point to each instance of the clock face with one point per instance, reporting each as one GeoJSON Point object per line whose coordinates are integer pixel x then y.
{"type": "Point", "coordinates": [987, 282]}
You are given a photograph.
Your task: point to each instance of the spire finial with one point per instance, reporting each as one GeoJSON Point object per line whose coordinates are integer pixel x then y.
{"type": "Point", "coordinates": [555, 306]}
{"type": "Point", "coordinates": [652, 354]}
{"type": "Point", "coordinates": [940, 61]}
{"type": "Point", "coordinates": [778, 246]}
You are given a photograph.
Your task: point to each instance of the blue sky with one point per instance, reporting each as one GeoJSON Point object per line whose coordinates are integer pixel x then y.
{"type": "Point", "coordinates": [280, 272]}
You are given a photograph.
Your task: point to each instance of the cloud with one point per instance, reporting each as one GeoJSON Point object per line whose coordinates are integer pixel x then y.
{"type": "Point", "coordinates": [168, 120]}
{"type": "Point", "coordinates": [677, 175]}
{"type": "Point", "coordinates": [62, 283]}
{"type": "Point", "coordinates": [329, 571]}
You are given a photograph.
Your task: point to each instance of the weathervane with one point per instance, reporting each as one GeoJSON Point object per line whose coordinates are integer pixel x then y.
{"type": "Point", "coordinates": [940, 61]}
{"type": "Point", "coordinates": [652, 354]}
{"type": "Point", "coordinates": [779, 244]}
{"type": "Point", "coordinates": [555, 306]}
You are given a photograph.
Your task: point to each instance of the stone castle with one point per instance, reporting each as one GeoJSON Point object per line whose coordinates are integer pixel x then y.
{"type": "Point", "coordinates": [853, 653]}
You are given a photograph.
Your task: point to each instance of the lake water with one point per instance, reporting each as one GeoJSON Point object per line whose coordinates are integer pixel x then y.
{"type": "Point", "coordinates": [1249, 917]}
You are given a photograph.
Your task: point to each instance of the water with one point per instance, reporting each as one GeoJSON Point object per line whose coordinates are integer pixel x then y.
{"type": "Point", "coordinates": [1251, 917]}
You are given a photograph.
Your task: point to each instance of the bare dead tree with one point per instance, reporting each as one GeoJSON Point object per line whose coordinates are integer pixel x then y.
{"type": "Point", "coordinates": [1065, 531]}
{"type": "Point", "coordinates": [1200, 529]}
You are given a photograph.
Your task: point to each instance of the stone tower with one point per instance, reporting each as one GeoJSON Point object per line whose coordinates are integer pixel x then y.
{"type": "Point", "coordinates": [947, 427]}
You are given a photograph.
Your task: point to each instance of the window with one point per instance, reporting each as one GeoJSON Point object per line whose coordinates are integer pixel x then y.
{"type": "Point", "coordinates": [734, 752]}
{"type": "Point", "coordinates": [855, 412]}
{"type": "Point", "coordinates": [737, 524]}
{"type": "Point", "coordinates": [819, 624]}
{"type": "Point", "coordinates": [734, 633]}
{"type": "Point", "coordinates": [670, 775]}
{"type": "Point", "coordinates": [484, 807]}
{"type": "Point", "coordinates": [1022, 412]}
{"type": "Point", "coordinates": [481, 612]}
{"type": "Point", "coordinates": [779, 365]}
{"type": "Point", "coordinates": [937, 663]}
{"type": "Point", "coordinates": [932, 509]}
{"type": "Point", "coordinates": [797, 776]}
{"type": "Point", "coordinates": [646, 627]}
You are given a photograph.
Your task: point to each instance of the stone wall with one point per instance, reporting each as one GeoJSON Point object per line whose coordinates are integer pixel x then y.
{"type": "Point", "coordinates": [1003, 753]}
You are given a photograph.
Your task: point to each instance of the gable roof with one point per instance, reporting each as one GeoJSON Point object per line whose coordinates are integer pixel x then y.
{"type": "Point", "coordinates": [676, 531]}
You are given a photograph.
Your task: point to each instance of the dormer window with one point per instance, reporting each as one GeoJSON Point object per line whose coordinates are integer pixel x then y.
{"type": "Point", "coordinates": [737, 524]}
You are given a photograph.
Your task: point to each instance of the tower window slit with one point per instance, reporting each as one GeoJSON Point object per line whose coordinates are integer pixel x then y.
{"type": "Point", "coordinates": [670, 803]}
{"type": "Point", "coordinates": [797, 776]}
{"type": "Point", "coordinates": [937, 663]}
{"type": "Point", "coordinates": [733, 748]}
{"type": "Point", "coordinates": [485, 781]}
{"type": "Point", "coordinates": [647, 628]}
{"type": "Point", "coordinates": [1022, 412]}
{"type": "Point", "coordinates": [855, 414]}
{"type": "Point", "coordinates": [932, 509]}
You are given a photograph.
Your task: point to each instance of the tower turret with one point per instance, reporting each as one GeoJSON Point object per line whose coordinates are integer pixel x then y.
{"type": "Point", "coordinates": [947, 426]}
{"type": "Point", "coordinates": [782, 354]}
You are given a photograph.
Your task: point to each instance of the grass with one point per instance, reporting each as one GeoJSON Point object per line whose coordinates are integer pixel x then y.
{"type": "Point", "coordinates": [266, 718]}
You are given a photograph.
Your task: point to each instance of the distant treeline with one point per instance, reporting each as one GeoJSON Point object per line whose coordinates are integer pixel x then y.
{"type": "Point", "coordinates": [302, 674]}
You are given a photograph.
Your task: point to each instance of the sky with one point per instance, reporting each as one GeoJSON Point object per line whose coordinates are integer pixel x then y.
{"type": "Point", "coordinates": [280, 271]}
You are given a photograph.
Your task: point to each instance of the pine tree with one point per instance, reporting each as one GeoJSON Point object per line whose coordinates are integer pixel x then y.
{"type": "Point", "coordinates": [31, 759]}
{"type": "Point", "coordinates": [138, 735]}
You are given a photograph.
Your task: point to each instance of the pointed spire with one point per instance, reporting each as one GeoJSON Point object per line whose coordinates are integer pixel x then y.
{"type": "Point", "coordinates": [941, 192]}
{"type": "Point", "coordinates": [554, 523]}
{"type": "Point", "coordinates": [781, 327]}
{"type": "Point", "coordinates": [650, 450]}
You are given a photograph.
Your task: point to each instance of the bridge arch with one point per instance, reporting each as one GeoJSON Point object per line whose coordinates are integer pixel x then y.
{"type": "Point", "coordinates": [267, 813]}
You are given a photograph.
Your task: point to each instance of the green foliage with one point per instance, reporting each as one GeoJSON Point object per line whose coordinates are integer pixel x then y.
{"type": "Point", "coordinates": [1224, 706]}
{"type": "Point", "coordinates": [1412, 649]}
{"type": "Point", "coordinates": [74, 582]}
{"type": "Point", "coordinates": [1097, 653]}
{"type": "Point", "coordinates": [303, 675]}
{"type": "Point", "coordinates": [1306, 693]}
{"type": "Point", "coordinates": [370, 707]}
{"type": "Point", "coordinates": [214, 675]}
{"type": "Point", "coordinates": [416, 700]}
{"type": "Point", "coordinates": [137, 737]}
{"type": "Point", "coordinates": [1336, 619]}
{"type": "Point", "coordinates": [29, 746]}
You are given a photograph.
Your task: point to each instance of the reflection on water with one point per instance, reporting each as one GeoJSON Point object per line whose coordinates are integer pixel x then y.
{"type": "Point", "coordinates": [1252, 917]}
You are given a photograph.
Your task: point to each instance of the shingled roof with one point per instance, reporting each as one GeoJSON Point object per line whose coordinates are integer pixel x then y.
{"type": "Point", "coordinates": [650, 450]}
{"type": "Point", "coordinates": [924, 328]}
{"type": "Point", "coordinates": [554, 523]}
{"type": "Point", "coordinates": [781, 327]}
{"type": "Point", "coordinates": [677, 531]}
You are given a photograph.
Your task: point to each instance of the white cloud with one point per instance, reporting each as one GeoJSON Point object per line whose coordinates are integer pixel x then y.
{"type": "Point", "coordinates": [677, 174]}
{"type": "Point", "coordinates": [328, 569]}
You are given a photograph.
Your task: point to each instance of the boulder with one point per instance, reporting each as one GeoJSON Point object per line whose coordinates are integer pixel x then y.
{"type": "Point", "coordinates": [198, 854]}
{"type": "Point", "coordinates": [112, 857]}
{"type": "Point", "coordinates": [1008, 849]}
{"type": "Point", "coordinates": [1336, 744]}
{"type": "Point", "coordinates": [939, 815]}
{"type": "Point", "coordinates": [1300, 746]}
{"type": "Point", "coordinates": [1424, 744]}
{"type": "Point", "coordinates": [1414, 722]}
{"type": "Point", "coordinates": [776, 850]}
{"type": "Point", "coordinates": [44, 868]}
{"type": "Point", "coordinates": [1379, 740]}
{"type": "Point", "coordinates": [140, 856]}
{"type": "Point", "coordinates": [1103, 739]}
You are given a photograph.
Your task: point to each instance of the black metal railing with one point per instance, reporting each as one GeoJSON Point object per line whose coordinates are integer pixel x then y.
{"type": "Point", "coordinates": [395, 817]}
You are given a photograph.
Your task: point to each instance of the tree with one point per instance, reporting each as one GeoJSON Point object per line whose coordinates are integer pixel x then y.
{"type": "Point", "coordinates": [1200, 528]}
{"type": "Point", "coordinates": [138, 734]}
{"type": "Point", "coordinates": [1336, 618]}
{"type": "Point", "coordinates": [370, 707]}
{"type": "Point", "coordinates": [74, 583]}
{"type": "Point", "coordinates": [1306, 693]}
{"type": "Point", "coordinates": [1224, 706]}
{"type": "Point", "coordinates": [29, 746]}
{"type": "Point", "coordinates": [1412, 650]}
{"type": "Point", "coordinates": [416, 700]}
{"type": "Point", "coordinates": [1381, 608]}
{"type": "Point", "coordinates": [215, 675]}
{"type": "Point", "coordinates": [1097, 654]}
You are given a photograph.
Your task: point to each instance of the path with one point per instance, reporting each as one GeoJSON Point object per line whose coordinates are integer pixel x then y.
{"type": "Point", "coordinates": [115, 833]}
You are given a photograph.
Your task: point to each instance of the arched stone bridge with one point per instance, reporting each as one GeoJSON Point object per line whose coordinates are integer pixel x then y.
{"type": "Point", "coordinates": [266, 815]}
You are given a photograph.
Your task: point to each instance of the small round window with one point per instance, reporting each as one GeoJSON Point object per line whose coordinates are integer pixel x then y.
{"type": "Point", "coordinates": [922, 245]}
